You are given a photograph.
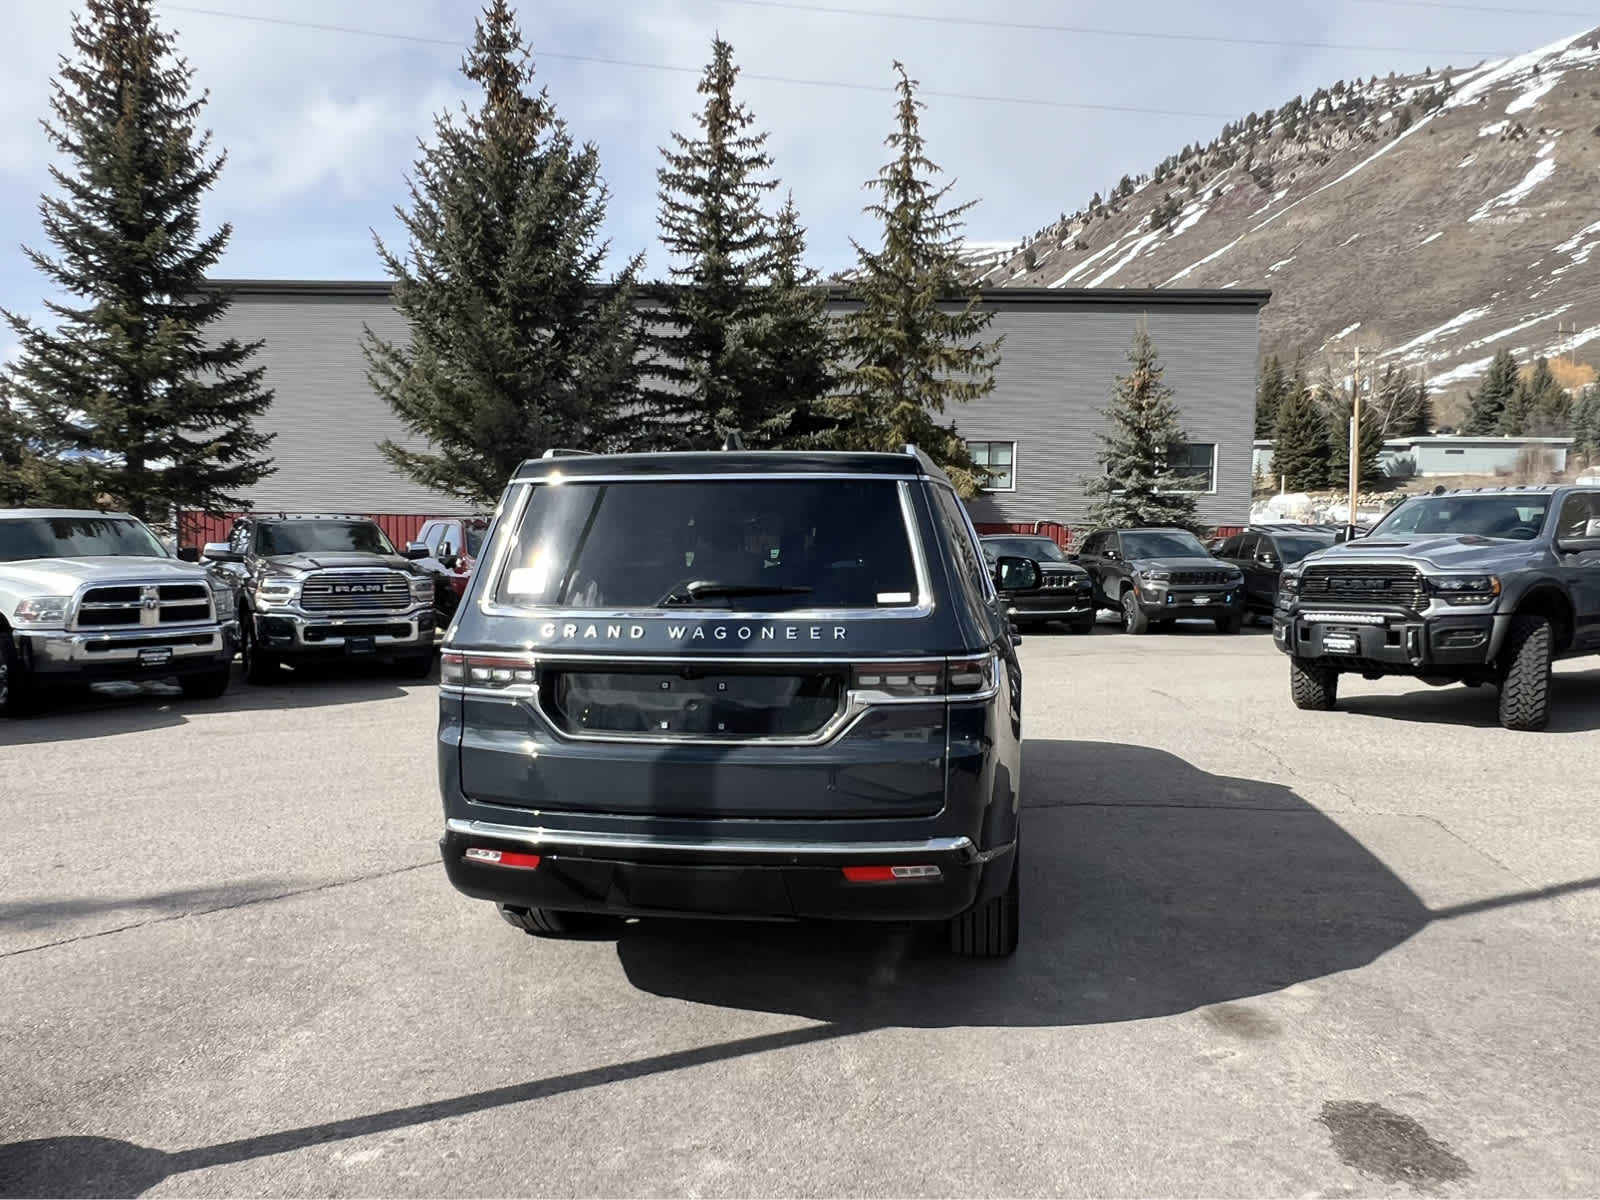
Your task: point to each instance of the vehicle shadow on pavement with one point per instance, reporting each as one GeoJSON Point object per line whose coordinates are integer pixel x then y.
{"type": "Point", "coordinates": [1574, 704]}
{"type": "Point", "coordinates": [1149, 888]}
{"type": "Point", "coordinates": [109, 710]}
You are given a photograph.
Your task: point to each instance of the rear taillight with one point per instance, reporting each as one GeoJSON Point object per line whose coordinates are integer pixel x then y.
{"type": "Point", "coordinates": [929, 679]}
{"type": "Point", "coordinates": [485, 671]}
{"type": "Point", "coordinates": [891, 874]}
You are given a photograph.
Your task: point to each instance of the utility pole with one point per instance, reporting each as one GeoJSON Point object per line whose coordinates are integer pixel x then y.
{"type": "Point", "coordinates": [1355, 445]}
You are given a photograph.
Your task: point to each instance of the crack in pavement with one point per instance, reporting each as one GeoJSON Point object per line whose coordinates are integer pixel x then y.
{"type": "Point", "coordinates": [202, 912]}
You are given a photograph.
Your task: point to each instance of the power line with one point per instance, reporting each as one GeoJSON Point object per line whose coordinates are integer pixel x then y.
{"type": "Point", "coordinates": [1098, 31]}
{"type": "Point", "coordinates": [839, 84]}
{"type": "Point", "coordinates": [1482, 8]}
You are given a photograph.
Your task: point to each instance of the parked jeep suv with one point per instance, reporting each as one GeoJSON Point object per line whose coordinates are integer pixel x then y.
{"type": "Point", "coordinates": [1487, 585]}
{"type": "Point", "coordinates": [1065, 591]}
{"type": "Point", "coordinates": [90, 596]}
{"type": "Point", "coordinates": [1154, 577]}
{"type": "Point", "coordinates": [767, 685]}
{"type": "Point", "coordinates": [320, 588]}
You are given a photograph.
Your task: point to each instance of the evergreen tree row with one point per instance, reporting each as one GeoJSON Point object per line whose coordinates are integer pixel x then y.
{"type": "Point", "coordinates": [518, 338]}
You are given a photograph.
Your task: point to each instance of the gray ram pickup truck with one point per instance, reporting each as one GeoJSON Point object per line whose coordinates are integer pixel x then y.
{"type": "Point", "coordinates": [1475, 586]}
{"type": "Point", "coordinates": [90, 596]}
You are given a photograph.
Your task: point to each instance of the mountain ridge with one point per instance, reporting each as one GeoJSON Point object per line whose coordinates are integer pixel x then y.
{"type": "Point", "coordinates": [1429, 219]}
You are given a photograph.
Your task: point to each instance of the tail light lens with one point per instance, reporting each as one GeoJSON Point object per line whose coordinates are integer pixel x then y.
{"type": "Point", "coordinates": [928, 679]}
{"type": "Point", "coordinates": [494, 672]}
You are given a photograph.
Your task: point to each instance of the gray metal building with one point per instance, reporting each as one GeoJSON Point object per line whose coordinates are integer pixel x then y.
{"type": "Point", "coordinates": [1062, 352]}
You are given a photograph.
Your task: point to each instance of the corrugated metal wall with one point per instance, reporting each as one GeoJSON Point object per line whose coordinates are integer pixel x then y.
{"type": "Point", "coordinates": [1058, 364]}
{"type": "Point", "coordinates": [196, 529]}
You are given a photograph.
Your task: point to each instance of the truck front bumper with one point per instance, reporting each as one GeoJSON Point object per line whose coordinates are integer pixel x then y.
{"type": "Point", "coordinates": [1163, 602]}
{"type": "Point", "coordinates": [143, 653]}
{"type": "Point", "coordinates": [299, 635]}
{"type": "Point", "coordinates": [1391, 643]}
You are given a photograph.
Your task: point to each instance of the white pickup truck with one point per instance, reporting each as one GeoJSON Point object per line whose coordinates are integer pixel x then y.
{"type": "Point", "coordinates": [87, 597]}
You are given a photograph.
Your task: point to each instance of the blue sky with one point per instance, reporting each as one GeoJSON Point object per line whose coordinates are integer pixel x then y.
{"type": "Point", "coordinates": [321, 124]}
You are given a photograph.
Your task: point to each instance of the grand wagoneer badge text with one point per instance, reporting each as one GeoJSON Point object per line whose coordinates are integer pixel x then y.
{"type": "Point", "coordinates": [596, 631]}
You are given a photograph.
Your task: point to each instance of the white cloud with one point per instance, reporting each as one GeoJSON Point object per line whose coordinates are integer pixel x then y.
{"type": "Point", "coordinates": [321, 126]}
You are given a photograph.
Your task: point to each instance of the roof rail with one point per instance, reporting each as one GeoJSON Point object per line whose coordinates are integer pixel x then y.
{"type": "Point", "coordinates": [564, 452]}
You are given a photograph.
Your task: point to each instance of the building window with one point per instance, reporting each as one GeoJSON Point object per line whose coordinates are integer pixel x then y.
{"type": "Point", "coordinates": [1000, 460]}
{"type": "Point", "coordinates": [1200, 466]}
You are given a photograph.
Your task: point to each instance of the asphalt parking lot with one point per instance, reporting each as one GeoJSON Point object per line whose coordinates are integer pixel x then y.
{"type": "Point", "coordinates": [1264, 952]}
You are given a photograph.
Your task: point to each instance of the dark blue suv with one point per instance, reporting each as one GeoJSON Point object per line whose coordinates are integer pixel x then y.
{"type": "Point", "coordinates": [772, 685]}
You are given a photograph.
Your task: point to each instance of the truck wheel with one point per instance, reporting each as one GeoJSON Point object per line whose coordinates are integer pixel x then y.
{"type": "Point", "coordinates": [1525, 683]}
{"type": "Point", "coordinates": [550, 922]}
{"type": "Point", "coordinates": [260, 666]}
{"type": "Point", "coordinates": [416, 666]}
{"type": "Point", "coordinates": [991, 929]}
{"type": "Point", "coordinates": [1314, 687]}
{"type": "Point", "coordinates": [17, 694]}
{"type": "Point", "coordinates": [207, 686]}
{"type": "Point", "coordinates": [1231, 624]}
{"type": "Point", "coordinates": [1134, 619]}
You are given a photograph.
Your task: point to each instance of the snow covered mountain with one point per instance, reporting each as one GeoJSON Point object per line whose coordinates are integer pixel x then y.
{"type": "Point", "coordinates": [1429, 219]}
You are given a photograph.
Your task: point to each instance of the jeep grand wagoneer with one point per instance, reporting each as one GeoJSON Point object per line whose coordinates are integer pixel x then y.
{"type": "Point", "coordinates": [765, 685]}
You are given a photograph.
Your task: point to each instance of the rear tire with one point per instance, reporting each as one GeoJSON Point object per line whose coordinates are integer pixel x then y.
{"type": "Point", "coordinates": [1134, 618]}
{"type": "Point", "coordinates": [991, 929]}
{"type": "Point", "coordinates": [1315, 688]}
{"type": "Point", "coordinates": [550, 922]}
{"type": "Point", "coordinates": [1525, 684]}
{"type": "Point", "coordinates": [208, 686]}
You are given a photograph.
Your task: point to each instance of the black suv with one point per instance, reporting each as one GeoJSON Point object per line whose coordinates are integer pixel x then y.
{"type": "Point", "coordinates": [1065, 591]}
{"type": "Point", "coordinates": [765, 685]}
{"type": "Point", "coordinates": [1476, 586]}
{"type": "Point", "coordinates": [327, 587]}
{"type": "Point", "coordinates": [1262, 552]}
{"type": "Point", "coordinates": [1157, 576]}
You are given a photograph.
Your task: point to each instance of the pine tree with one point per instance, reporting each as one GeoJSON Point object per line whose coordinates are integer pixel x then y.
{"type": "Point", "coordinates": [1300, 438]}
{"type": "Point", "coordinates": [708, 364]}
{"type": "Point", "coordinates": [1488, 403]}
{"type": "Point", "coordinates": [1272, 384]}
{"type": "Point", "coordinates": [31, 475]}
{"type": "Point", "coordinates": [1143, 452]}
{"type": "Point", "coordinates": [1369, 447]}
{"type": "Point", "coordinates": [1399, 404]}
{"type": "Point", "coordinates": [911, 348]}
{"type": "Point", "coordinates": [1539, 406]}
{"type": "Point", "coordinates": [796, 335]}
{"type": "Point", "coordinates": [1586, 424]}
{"type": "Point", "coordinates": [516, 343]}
{"type": "Point", "coordinates": [154, 412]}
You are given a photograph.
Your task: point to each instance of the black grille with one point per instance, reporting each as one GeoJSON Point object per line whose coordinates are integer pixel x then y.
{"type": "Point", "coordinates": [120, 606]}
{"type": "Point", "coordinates": [356, 591]}
{"type": "Point", "coordinates": [1064, 581]}
{"type": "Point", "coordinates": [1365, 584]}
{"type": "Point", "coordinates": [1202, 578]}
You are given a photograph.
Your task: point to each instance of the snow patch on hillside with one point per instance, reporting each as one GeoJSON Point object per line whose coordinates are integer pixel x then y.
{"type": "Point", "coordinates": [1534, 94]}
{"type": "Point", "coordinates": [1432, 237]}
{"type": "Point", "coordinates": [1494, 130]}
{"type": "Point", "coordinates": [1456, 322]}
{"type": "Point", "coordinates": [1537, 174]}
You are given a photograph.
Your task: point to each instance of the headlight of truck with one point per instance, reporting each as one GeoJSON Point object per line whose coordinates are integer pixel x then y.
{"type": "Point", "coordinates": [422, 587]}
{"type": "Point", "coordinates": [42, 611]}
{"type": "Point", "coordinates": [1465, 589]}
{"type": "Point", "coordinates": [227, 604]}
{"type": "Point", "coordinates": [1151, 576]}
{"type": "Point", "coordinates": [1289, 584]}
{"type": "Point", "coordinates": [275, 593]}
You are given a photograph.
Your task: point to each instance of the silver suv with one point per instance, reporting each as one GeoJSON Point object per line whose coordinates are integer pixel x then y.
{"type": "Point", "coordinates": [91, 596]}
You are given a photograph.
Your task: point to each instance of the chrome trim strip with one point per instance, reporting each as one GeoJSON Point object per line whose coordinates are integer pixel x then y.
{"type": "Point", "coordinates": [557, 477]}
{"type": "Point", "coordinates": [539, 836]}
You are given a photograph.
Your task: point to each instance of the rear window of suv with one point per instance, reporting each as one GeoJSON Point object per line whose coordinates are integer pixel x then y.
{"type": "Point", "coordinates": [755, 545]}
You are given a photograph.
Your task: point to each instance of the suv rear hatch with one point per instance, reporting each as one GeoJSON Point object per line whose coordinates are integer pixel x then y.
{"type": "Point", "coordinates": [705, 648]}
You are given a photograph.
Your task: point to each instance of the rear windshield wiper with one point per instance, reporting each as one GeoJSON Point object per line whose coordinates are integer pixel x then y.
{"type": "Point", "coordinates": [705, 589]}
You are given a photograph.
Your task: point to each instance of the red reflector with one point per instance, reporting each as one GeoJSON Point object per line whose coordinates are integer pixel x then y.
{"type": "Point", "coordinates": [502, 858]}
{"type": "Point", "coordinates": [890, 874]}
